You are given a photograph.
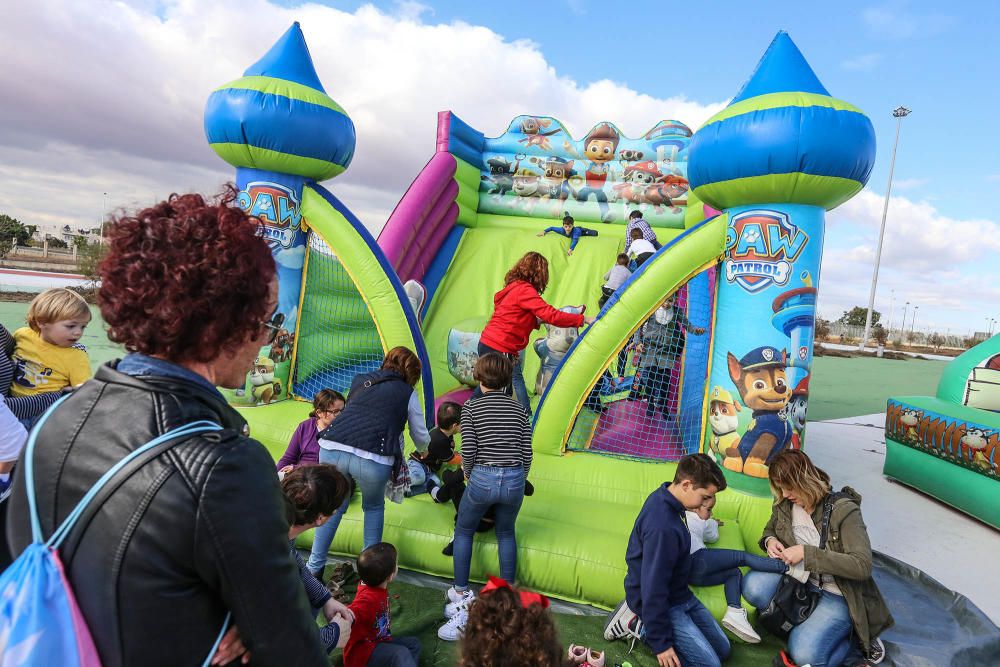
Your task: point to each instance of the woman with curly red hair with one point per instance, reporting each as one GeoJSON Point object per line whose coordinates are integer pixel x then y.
{"type": "Point", "coordinates": [188, 288]}
{"type": "Point", "coordinates": [517, 308]}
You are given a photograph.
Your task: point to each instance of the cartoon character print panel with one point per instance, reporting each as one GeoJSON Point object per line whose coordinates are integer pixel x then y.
{"type": "Point", "coordinates": [762, 355]}
{"type": "Point", "coordinates": [970, 445]}
{"type": "Point", "coordinates": [538, 169]}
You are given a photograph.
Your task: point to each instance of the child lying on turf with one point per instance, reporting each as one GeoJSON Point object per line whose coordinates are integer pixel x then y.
{"type": "Point", "coordinates": [710, 567]}
{"type": "Point", "coordinates": [313, 493]}
{"type": "Point", "coordinates": [372, 642]}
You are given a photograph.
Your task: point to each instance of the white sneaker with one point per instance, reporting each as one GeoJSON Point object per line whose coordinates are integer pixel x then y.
{"type": "Point", "coordinates": [736, 621]}
{"type": "Point", "coordinates": [798, 572]}
{"type": "Point", "coordinates": [458, 600]}
{"type": "Point", "coordinates": [454, 629]}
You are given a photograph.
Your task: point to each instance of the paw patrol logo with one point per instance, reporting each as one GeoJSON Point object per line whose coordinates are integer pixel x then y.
{"type": "Point", "coordinates": [277, 207]}
{"type": "Point", "coordinates": [761, 247]}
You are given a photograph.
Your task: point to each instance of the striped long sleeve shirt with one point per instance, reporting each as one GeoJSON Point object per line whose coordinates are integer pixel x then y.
{"type": "Point", "coordinates": [496, 431]}
{"type": "Point", "coordinates": [23, 407]}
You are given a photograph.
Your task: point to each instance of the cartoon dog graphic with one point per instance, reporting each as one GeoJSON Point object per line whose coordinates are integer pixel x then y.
{"type": "Point", "coordinates": [723, 420]}
{"type": "Point", "coordinates": [501, 175]}
{"type": "Point", "coordinates": [265, 387]}
{"type": "Point", "coordinates": [796, 411]}
{"type": "Point", "coordinates": [281, 348]}
{"type": "Point", "coordinates": [532, 127]}
{"type": "Point", "coordinates": [760, 379]}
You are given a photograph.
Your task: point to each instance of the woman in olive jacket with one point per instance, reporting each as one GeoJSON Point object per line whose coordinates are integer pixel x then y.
{"type": "Point", "coordinates": [851, 613]}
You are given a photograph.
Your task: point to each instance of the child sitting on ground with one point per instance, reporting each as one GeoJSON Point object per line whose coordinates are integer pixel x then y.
{"type": "Point", "coordinates": [571, 231]}
{"type": "Point", "coordinates": [47, 353]}
{"type": "Point", "coordinates": [303, 448]}
{"type": "Point", "coordinates": [614, 278]}
{"type": "Point", "coordinates": [710, 567]}
{"type": "Point", "coordinates": [510, 627]}
{"type": "Point", "coordinates": [371, 641]}
{"type": "Point", "coordinates": [313, 493]}
{"type": "Point", "coordinates": [425, 467]}
{"type": "Point", "coordinates": [639, 249]}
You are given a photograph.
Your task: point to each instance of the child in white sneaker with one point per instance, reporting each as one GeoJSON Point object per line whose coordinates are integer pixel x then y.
{"type": "Point", "coordinates": [710, 567]}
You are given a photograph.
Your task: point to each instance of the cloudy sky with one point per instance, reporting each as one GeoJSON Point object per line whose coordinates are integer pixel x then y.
{"type": "Point", "coordinates": [108, 97]}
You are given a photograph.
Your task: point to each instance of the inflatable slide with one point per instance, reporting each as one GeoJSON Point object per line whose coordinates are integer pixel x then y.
{"type": "Point", "coordinates": [737, 208]}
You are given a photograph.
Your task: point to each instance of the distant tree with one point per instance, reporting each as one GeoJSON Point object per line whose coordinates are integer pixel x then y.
{"type": "Point", "coordinates": [936, 340]}
{"type": "Point", "coordinates": [822, 330]}
{"type": "Point", "coordinates": [89, 257]}
{"type": "Point", "coordinates": [880, 334]}
{"type": "Point", "coordinates": [11, 229]}
{"type": "Point", "coordinates": [856, 316]}
{"type": "Point", "coordinates": [80, 242]}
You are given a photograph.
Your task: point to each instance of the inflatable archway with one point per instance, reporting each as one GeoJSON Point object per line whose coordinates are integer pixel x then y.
{"type": "Point", "coordinates": [740, 223]}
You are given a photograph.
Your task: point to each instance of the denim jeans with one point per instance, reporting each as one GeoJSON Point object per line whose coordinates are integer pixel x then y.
{"type": "Point", "coordinates": [823, 639]}
{"type": "Point", "coordinates": [397, 652]}
{"type": "Point", "coordinates": [657, 382]}
{"type": "Point", "coordinates": [419, 476]}
{"type": "Point", "coordinates": [488, 486]}
{"type": "Point", "coordinates": [711, 567]}
{"type": "Point", "coordinates": [698, 639]}
{"type": "Point", "coordinates": [517, 378]}
{"type": "Point", "coordinates": [371, 478]}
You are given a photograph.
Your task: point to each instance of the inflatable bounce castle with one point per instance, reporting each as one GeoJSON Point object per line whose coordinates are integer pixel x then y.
{"type": "Point", "coordinates": [949, 446]}
{"type": "Point", "coordinates": [738, 208]}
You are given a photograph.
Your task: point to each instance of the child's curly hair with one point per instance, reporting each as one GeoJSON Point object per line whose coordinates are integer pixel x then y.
{"type": "Point", "coordinates": [502, 633]}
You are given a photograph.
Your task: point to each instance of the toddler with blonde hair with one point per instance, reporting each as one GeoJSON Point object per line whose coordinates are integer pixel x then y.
{"type": "Point", "coordinates": [47, 354]}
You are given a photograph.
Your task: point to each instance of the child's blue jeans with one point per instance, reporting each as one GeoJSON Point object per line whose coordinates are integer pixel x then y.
{"type": "Point", "coordinates": [711, 567]}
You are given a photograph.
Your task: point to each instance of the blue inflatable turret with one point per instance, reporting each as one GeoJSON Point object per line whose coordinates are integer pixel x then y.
{"type": "Point", "coordinates": [774, 160]}
{"type": "Point", "coordinates": [281, 131]}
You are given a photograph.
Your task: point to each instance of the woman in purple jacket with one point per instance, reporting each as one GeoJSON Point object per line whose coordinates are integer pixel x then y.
{"type": "Point", "coordinates": [303, 448]}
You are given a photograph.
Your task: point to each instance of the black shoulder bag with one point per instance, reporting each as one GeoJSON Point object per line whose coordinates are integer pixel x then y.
{"type": "Point", "coordinates": [794, 601]}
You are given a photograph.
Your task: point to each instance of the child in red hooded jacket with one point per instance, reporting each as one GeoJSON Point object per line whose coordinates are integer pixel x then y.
{"type": "Point", "coordinates": [516, 311]}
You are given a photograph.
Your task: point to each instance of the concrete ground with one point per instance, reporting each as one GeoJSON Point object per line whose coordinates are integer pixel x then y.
{"type": "Point", "coordinates": [947, 544]}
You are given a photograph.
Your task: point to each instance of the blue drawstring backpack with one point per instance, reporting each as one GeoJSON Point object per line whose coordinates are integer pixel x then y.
{"type": "Point", "coordinates": [40, 621]}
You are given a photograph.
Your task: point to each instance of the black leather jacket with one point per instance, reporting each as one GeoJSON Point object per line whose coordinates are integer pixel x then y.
{"type": "Point", "coordinates": [196, 532]}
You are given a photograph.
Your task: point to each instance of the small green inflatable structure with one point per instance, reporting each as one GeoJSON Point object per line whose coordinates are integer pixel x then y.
{"type": "Point", "coordinates": [948, 446]}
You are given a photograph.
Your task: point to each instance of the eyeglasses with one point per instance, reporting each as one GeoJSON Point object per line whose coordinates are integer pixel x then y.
{"type": "Point", "coordinates": [272, 327]}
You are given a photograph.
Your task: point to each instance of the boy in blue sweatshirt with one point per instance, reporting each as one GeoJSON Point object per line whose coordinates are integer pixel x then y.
{"type": "Point", "coordinates": [571, 231]}
{"type": "Point", "coordinates": [658, 606]}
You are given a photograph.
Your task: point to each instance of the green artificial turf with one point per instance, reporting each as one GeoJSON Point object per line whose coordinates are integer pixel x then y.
{"type": "Point", "coordinates": [419, 612]}
{"type": "Point", "coordinates": [842, 387]}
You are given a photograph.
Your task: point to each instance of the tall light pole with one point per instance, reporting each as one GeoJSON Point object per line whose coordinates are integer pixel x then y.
{"type": "Point", "coordinates": [104, 215]}
{"type": "Point", "coordinates": [899, 113]}
{"type": "Point", "coordinates": [902, 327]}
{"type": "Point", "coordinates": [914, 320]}
{"type": "Point", "coordinates": [892, 302]}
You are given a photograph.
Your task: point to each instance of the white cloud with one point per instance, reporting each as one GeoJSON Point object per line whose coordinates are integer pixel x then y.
{"type": "Point", "coordinates": [993, 178]}
{"type": "Point", "coordinates": [895, 20]}
{"type": "Point", "coordinates": [109, 97]}
{"type": "Point", "coordinates": [863, 63]}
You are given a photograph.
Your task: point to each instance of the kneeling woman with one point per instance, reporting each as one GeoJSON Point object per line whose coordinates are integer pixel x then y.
{"type": "Point", "coordinates": [851, 613]}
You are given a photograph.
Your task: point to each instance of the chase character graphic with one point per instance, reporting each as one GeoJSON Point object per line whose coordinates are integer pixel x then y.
{"type": "Point", "coordinates": [554, 183]}
{"type": "Point", "coordinates": [501, 174]}
{"type": "Point", "coordinates": [599, 147]}
{"type": "Point", "coordinates": [265, 387]}
{"type": "Point", "coordinates": [760, 380]}
{"type": "Point", "coordinates": [724, 421]}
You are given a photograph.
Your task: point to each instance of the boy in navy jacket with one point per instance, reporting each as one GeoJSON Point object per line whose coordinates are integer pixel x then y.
{"type": "Point", "coordinates": [658, 606]}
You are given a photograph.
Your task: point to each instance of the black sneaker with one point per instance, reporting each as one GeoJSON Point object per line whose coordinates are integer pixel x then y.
{"type": "Point", "coordinates": [450, 549]}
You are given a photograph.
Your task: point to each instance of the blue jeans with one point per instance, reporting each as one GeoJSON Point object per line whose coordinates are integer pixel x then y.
{"type": "Point", "coordinates": [823, 639]}
{"type": "Point", "coordinates": [516, 380]}
{"type": "Point", "coordinates": [420, 475]}
{"type": "Point", "coordinates": [397, 652]}
{"type": "Point", "coordinates": [488, 486]}
{"type": "Point", "coordinates": [711, 567]}
{"type": "Point", "coordinates": [698, 639]}
{"type": "Point", "coordinates": [371, 478]}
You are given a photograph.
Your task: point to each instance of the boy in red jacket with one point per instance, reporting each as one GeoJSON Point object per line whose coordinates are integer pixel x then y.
{"type": "Point", "coordinates": [371, 641]}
